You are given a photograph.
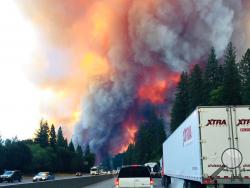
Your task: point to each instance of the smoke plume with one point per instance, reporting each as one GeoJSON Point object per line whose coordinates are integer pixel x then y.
{"type": "Point", "coordinates": [112, 59]}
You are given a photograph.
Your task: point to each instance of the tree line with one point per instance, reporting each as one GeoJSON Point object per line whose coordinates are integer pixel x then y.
{"type": "Point", "coordinates": [220, 82]}
{"type": "Point", "coordinates": [216, 82]}
{"type": "Point", "coordinates": [148, 142]}
{"type": "Point", "coordinates": [48, 151]}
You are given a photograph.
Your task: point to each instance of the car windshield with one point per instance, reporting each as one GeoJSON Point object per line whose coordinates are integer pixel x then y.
{"type": "Point", "coordinates": [137, 171]}
{"type": "Point", "coordinates": [93, 169]}
{"type": "Point", "coordinates": [8, 172]}
{"type": "Point", "coordinates": [43, 174]}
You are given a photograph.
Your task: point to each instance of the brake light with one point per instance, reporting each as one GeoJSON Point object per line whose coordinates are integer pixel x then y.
{"type": "Point", "coordinates": [151, 181]}
{"type": "Point", "coordinates": [135, 165]}
{"type": "Point", "coordinates": [117, 181]}
{"type": "Point", "coordinates": [208, 181]}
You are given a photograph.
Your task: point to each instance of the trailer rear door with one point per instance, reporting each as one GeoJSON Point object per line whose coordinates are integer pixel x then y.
{"type": "Point", "coordinates": [241, 131]}
{"type": "Point", "coordinates": [216, 137]}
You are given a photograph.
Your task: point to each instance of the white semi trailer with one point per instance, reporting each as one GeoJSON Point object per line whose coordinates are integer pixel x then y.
{"type": "Point", "coordinates": [211, 148]}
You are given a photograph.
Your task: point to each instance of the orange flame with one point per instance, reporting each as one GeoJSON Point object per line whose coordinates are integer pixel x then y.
{"type": "Point", "coordinates": [153, 92]}
{"type": "Point", "coordinates": [130, 132]}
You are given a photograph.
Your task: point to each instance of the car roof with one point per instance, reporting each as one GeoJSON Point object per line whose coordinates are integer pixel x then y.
{"type": "Point", "coordinates": [128, 166]}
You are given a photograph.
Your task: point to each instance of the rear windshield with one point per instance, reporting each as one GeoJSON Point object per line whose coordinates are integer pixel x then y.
{"type": "Point", "coordinates": [8, 172]}
{"type": "Point", "coordinates": [130, 172]}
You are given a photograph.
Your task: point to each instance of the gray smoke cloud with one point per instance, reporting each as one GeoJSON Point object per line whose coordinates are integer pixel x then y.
{"type": "Point", "coordinates": [173, 34]}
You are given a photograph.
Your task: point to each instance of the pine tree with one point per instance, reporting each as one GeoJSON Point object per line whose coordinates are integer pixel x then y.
{"type": "Point", "coordinates": [89, 158]}
{"type": "Point", "coordinates": [61, 141]}
{"type": "Point", "coordinates": [211, 76]}
{"type": "Point", "coordinates": [129, 157]}
{"type": "Point", "coordinates": [42, 135]}
{"type": "Point", "coordinates": [87, 150]}
{"type": "Point", "coordinates": [52, 138]}
{"type": "Point", "coordinates": [149, 139]}
{"type": "Point", "coordinates": [79, 150]}
{"type": "Point", "coordinates": [196, 87]}
{"type": "Point", "coordinates": [244, 71]}
{"type": "Point", "coordinates": [231, 83]}
{"type": "Point", "coordinates": [71, 146]}
{"type": "Point", "coordinates": [180, 107]}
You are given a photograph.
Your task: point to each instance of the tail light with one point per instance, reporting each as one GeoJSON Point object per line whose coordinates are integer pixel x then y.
{"type": "Point", "coordinates": [208, 181]}
{"type": "Point", "coordinates": [135, 165]}
{"type": "Point", "coordinates": [117, 181]}
{"type": "Point", "coordinates": [151, 181]}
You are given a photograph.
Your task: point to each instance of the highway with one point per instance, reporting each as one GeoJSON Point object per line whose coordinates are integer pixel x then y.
{"type": "Point", "coordinates": [110, 184]}
{"type": "Point", "coordinates": [104, 184]}
{"type": "Point", "coordinates": [29, 179]}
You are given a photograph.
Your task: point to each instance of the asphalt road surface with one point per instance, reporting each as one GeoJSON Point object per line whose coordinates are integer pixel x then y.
{"type": "Point", "coordinates": [29, 179]}
{"type": "Point", "coordinates": [110, 184]}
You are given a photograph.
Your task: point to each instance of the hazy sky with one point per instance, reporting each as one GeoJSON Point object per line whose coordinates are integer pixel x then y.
{"type": "Point", "coordinates": [19, 98]}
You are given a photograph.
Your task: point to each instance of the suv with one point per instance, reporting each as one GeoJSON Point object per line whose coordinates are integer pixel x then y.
{"type": "Point", "coordinates": [11, 176]}
{"type": "Point", "coordinates": [94, 171]}
{"type": "Point", "coordinates": [134, 176]}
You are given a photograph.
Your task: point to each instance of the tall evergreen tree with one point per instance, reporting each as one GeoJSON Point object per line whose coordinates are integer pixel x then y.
{"type": "Point", "coordinates": [196, 87]}
{"type": "Point", "coordinates": [180, 108]}
{"type": "Point", "coordinates": [71, 146]}
{"type": "Point", "coordinates": [89, 158]}
{"type": "Point", "coordinates": [231, 83]}
{"type": "Point", "coordinates": [18, 155]}
{"type": "Point", "coordinates": [87, 150]}
{"type": "Point", "coordinates": [244, 70]}
{"type": "Point", "coordinates": [211, 76]}
{"type": "Point", "coordinates": [61, 141]}
{"type": "Point", "coordinates": [129, 157]}
{"type": "Point", "coordinates": [52, 136]}
{"type": "Point", "coordinates": [42, 135]}
{"type": "Point", "coordinates": [149, 139]}
{"type": "Point", "coordinates": [79, 150]}
{"type": "Point", "coordinates": [2, 155]}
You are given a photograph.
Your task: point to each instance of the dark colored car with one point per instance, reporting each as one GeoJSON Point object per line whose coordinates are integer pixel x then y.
{"type": "Point", "coordinates": [11, 176]}
{"type": "Point", "coordinates": [43, 176]}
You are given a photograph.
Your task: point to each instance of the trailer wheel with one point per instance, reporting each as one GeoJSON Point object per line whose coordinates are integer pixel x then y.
{"type": "Point", "coordinates": [187, 184]}
{"type": "Point", "coordinates": [167, 181]}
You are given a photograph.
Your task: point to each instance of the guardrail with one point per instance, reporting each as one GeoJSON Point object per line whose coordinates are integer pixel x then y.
{"type": "Point", "coordinates": [78, 182]}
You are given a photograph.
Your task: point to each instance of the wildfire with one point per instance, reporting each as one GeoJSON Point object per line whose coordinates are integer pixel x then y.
{"type": "Point", "coordinates": [114, 57]}
{"type": "Point", "coordinates": [130, 130]}
{"type": "Point", "coordinates": [154, 92]}
{"type": "Point", "coordinates": [94, 65]}
{"type": "Point", "coordinates": [101, 19]}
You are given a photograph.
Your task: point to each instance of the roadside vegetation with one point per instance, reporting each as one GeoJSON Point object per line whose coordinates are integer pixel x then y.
{"type": "Point", "coordinates": [48, 151]}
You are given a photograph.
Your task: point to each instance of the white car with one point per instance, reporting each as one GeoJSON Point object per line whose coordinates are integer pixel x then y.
{"type": "Point", "coordinates": [134, 176]}
{"type": "Point", "coordinates": [43, 176]}
{"type": "Point", "coordinates": [94, 171]}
